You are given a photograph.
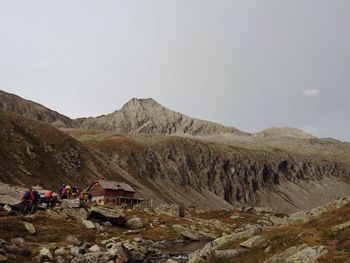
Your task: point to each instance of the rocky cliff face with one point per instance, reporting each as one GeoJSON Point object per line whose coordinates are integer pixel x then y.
{"type": "Point", "coordinates": [236, 175]}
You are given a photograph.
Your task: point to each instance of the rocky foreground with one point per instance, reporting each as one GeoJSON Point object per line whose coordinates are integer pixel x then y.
{"type": "Point", "coordinates": [96, 234]}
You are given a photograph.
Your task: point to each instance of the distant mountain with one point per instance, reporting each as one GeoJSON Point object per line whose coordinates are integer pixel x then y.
{"type": "Point", "coordinates": [32, 110]}
{"type": "Point", "coordinates": [284, 132]}
{"type": "Point", "coordinates": [150, 117]}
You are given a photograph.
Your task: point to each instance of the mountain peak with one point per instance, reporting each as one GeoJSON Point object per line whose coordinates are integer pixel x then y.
{"type": "Point", "coordinates": [142, 101]}
{"type": "Point", "coordinates": [284, 132]}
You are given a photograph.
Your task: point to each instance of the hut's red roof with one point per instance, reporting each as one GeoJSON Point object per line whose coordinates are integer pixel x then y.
{"type": "Point", "coordinates": [111, 185]}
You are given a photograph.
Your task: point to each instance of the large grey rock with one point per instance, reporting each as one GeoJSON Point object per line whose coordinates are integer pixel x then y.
{"type": "Point", "coordinates": [45, 254]}
{"type": "Point", "coordinates": [73, 240]}
{"type": "Point", "coordinates": [29, 227]}
{"type": "Point", "coordinates": [19, 242]}
{"type": "Point", "coordinates": [78, 214]}
{"type": "Point", "coordinates": [340, 227]}
{"type": "Point", "coordinates": [278, 221]}
{"type": "Point", "coordinates": [7, 208]}
{"type": "Point", "coordinates": [75, 251]}
{"type": "Point", "coordinates": [308, 255]}
{"type": "Point", "coordinates": [208, 250]}
{"type": "Point", "coordinates": [284, 255]}
{"type": "Point", "coordinates": [61, 251]}
{"type": "Point", "coordinates": [93, 257]}
{"type": "Point", "coordinates": [299, 217]}
{"type": "Point", "coordinates": [3, 259]}
{"type": "Point", "coordinates": [121, 252]}
{"type": "Point", "coordinates": [9, 195]}
{"type": "Point", "coordinates": [253, 242]}
{"type": "Point", "coordinates": [135, 223]}
{"type": "Point", "coordinates": [115, 216]}
{"type": "Point", "coordinates": [88, 224]}
{"type": "Point", "coordinates": [69, 203]}
{"type": "Point", "coordinates": [187, 233]}
{"type": "Point", "coordinates": [95, 248]}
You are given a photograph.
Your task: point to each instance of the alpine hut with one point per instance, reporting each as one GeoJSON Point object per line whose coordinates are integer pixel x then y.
{"type": "Point", "coordinates": [113, 193]}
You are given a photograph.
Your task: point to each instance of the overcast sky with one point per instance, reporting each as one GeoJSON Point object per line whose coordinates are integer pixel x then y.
{"type": "Point", "coordinates": [247, 64]}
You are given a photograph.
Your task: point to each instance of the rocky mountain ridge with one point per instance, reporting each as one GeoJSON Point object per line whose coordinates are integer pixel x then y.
{"type": "Point", "coordinates": [149, 117]}
{"type": "Point", "coordinates": [138, 116]}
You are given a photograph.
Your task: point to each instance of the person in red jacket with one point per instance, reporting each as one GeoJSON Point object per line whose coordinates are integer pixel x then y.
{"type": "Point", "coordinates": [49, 200]}
{"type": "Point", "coordinates": [27, 199]}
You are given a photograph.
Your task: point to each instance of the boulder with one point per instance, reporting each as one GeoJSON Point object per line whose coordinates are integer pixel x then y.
{"type": "Point", "coordinates": [122, 253]}
{"type": "Point", "coordinates": [19, 242]}
{"type": "Point", "coordinates": [29, 227]}
{"type": "Point", "coordinates": [308, 255]}
{"type": "Point", "coordinates": [9, 195]}
{"type": "Point", "coordinates": [45, 254]}
{"type": "Point", "coordinates": [186, 233]}
{"type": "Point", "coordinates": [69, 203]}
{"type": "Point", "coordinates": [3, 259]}
{"type": "Point", "coordinates": [278, 221]}
{"type": "Point", "coordinates": [73, 240]}
{"type": "Point", "coordinates": [282, 257]}
{"type": "Point", "coordinates": [88, 224]}
{"type": "Point", "coordinates": [99, 227]}
{"type": "Point", "coordinates": [340, 227]}
{"type": "Point", "coordinates": [60, 252]}
{"type": "Point", "coordinates": [78, 214]}
{"type": "Point", "coordinates": [75, 251]}
{"type": "Point", "coordinates": [7, 208]}
{"type": "Point", "coordinates": [253, 242]}
{"type": "Point", "coordinates": [220, 242]}
{"type": "Point", "coordinates": [95, 248]}
{"type": "Point", "coordinates": [135, 223]}
{"type": "Point", "coordinates": [171, 261]}
{"type": "Point", "coordinates": [299, 217]}
{"type": "Point", "coordinates": [114, 216]}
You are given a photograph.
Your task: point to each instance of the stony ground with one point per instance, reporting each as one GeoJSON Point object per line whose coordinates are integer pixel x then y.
{"type": "Point", "coordinates": [65, 234]}
{"type": "Point", "coordinates": [245, 235]}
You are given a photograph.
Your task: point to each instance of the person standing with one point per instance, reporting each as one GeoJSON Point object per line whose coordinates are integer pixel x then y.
{"type": "Point", "coordinates": [64, 193]}
{"type": "Point", "coordinates": [49, 199]}
{"type": "Point", "coordinates": [89, 197]}
{"type": "Point", "coordinates": [36, 201]}
{"type": "Point", "coordinates": [82, 201]}
{"type": "Point", "coordinates": [27, 199]}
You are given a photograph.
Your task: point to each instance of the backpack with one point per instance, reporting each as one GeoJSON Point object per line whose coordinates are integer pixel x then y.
{"type": "Point", "coordinates": [27, 196]}
{"type": "Point", "coordinates": [64, 192]}
{"type": "Point", "coordinates": [37, 197]}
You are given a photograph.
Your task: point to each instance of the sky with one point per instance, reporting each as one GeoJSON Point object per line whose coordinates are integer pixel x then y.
{"type": "Point", "coordinates": [244, 63]}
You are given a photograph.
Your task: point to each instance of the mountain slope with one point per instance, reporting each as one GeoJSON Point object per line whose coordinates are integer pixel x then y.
{"type": "Point", "coordinates": [33, 152]}
{"type": "Point", "coordinates": [32, 110]}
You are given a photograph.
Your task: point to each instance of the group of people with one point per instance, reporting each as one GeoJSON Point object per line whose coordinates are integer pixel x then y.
{"type": "Point", "coordinates": [32, 198]}
{"type": "Point", "coordinates": [66, 192]}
